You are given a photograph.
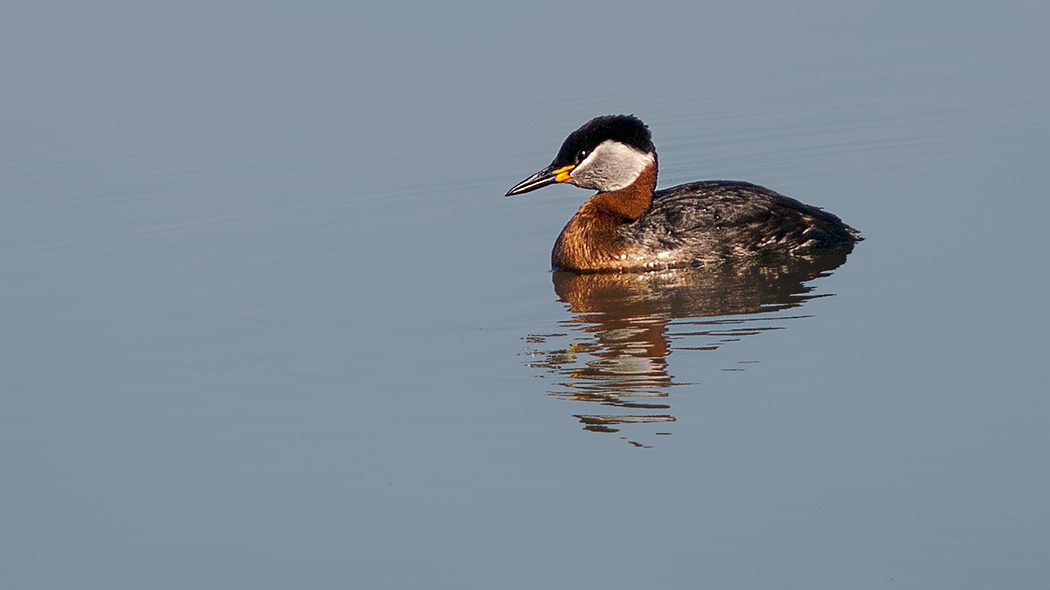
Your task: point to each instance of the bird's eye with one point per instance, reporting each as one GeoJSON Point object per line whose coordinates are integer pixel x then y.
{"type": "Point", "coordinates": [581, 156]}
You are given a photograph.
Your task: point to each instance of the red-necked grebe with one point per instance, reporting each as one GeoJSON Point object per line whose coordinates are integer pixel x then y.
{"type": "Point", "coordinates": [627, 226]}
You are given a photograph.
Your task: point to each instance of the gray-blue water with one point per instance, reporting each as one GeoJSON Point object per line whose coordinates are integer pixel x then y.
{"type": "Point", "coordinates": [268, 322]}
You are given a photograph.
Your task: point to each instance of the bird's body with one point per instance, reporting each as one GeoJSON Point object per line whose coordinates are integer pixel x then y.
{"type": "Point", "coordinates": [628, 226]}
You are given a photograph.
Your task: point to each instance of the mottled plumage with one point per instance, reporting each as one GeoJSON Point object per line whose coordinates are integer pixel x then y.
{"type": "Point", "coordinates": [717, 219]}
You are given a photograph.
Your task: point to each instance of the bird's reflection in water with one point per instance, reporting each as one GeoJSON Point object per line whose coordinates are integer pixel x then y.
{"type": "Point", "coordinates": [613, 349]}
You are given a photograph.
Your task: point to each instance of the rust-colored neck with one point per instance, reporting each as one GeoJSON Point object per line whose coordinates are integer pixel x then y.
{"type": "Point", "coordinates": [591, 240]}
{"type": "Point", "coordinates": [631, 201]}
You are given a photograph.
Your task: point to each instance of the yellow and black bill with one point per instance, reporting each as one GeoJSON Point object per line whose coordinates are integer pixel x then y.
{"type": "Point", "coordinates": [548, 175]}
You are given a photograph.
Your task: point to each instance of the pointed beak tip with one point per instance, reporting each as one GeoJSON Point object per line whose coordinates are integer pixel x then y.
{"type": "Point", "coordinates": [541, 179]}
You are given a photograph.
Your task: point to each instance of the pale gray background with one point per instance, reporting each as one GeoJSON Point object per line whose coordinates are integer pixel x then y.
{"type": "Point", "coordinates": [263, 306]}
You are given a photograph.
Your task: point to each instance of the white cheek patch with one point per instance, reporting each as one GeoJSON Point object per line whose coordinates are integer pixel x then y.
{"type": "Point", "coordinates": [611, 166]}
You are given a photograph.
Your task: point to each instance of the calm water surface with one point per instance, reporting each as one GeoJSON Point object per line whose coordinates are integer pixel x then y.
{"type": "Point", "coordinates": [268, 321]}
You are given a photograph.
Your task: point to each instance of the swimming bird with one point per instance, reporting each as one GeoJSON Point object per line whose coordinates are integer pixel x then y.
{"type": "Point", "coordinates": [628, 226]}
